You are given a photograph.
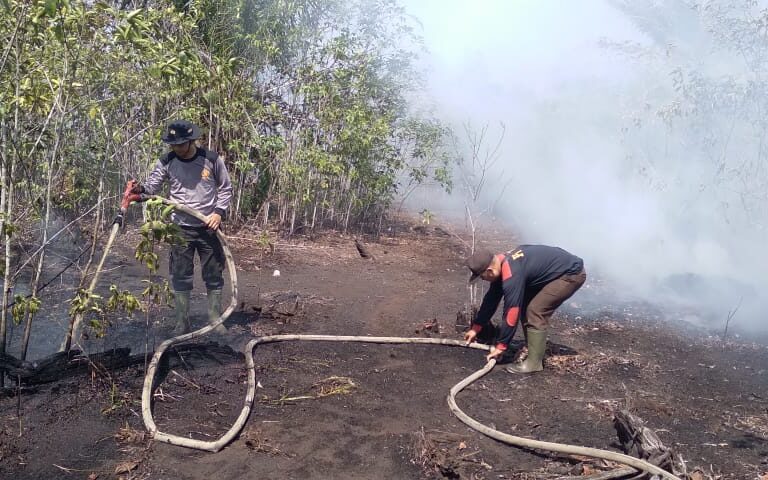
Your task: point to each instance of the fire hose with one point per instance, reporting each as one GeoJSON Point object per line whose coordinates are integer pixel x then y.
{"type": "Point", "coordinates": [237, 426]}
{"type": "Point", "coordinates": [77, 320]}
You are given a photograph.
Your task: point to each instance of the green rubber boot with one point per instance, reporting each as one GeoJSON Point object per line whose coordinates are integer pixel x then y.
{"type": "Point", "coordinates": [537, 344]}
{"type": "Point", "coordinates": [214, 310]}
{"type": "Point", "coordinates": [181, 301]}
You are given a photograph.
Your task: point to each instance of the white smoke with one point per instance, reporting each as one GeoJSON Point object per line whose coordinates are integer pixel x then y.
{"type": "Point", "coordinates": [589, 162]}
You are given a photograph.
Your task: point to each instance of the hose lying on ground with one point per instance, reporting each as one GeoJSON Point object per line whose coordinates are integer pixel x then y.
{"type": "Point", "coordinates": [149, 377]}
{"type": "Point", "coordinates": [495, 434]}
{"type": "Point", "coordinates": [234, 430]}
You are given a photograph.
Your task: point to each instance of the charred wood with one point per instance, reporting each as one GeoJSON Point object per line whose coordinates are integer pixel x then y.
{"type": "Point", "coordinates": [362, 250]}
{"type": "Point", "coordinates": [640, 441]}
{"type": "Point", "coordinates": [62, 365]}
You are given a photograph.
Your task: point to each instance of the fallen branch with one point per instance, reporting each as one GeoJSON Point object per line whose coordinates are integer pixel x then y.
{"type": "Point", "coordinates": [62, 365]}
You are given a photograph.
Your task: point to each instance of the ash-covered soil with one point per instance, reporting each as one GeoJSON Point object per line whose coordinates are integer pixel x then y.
{"type": "Point", "coordinates": [354, 410]}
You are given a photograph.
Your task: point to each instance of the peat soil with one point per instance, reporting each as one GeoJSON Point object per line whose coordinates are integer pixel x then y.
{"type": "Point", "coordinates": [354, 410]}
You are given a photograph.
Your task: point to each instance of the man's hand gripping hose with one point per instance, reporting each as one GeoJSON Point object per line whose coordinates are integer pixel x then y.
{"type": "Point", "coordinates": [132, 193]}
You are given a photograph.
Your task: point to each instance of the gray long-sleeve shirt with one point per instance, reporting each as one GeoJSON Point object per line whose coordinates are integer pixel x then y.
{"type": "Point", "coordinates": [200, 183]}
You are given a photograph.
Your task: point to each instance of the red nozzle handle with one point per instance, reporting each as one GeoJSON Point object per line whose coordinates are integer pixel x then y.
{"type": "Point", "coordinates": [130, 194]}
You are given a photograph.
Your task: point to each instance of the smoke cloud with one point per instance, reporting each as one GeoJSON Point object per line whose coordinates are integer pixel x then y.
{"type": "Point", "coordinates": [611, 147]}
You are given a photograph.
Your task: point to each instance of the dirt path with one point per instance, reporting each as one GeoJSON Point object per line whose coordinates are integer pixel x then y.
{"type": "Point", "coordinates": [344, 411]}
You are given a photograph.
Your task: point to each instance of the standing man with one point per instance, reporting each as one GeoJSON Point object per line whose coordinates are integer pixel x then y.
{"type": "Point", "coordinates": [534, 280]}
{"type": "Point", "coordinates": [199, 180]}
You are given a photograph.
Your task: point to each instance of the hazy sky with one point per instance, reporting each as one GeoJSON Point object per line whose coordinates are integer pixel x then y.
{"type": "Point", "coordinates": [485, 53]}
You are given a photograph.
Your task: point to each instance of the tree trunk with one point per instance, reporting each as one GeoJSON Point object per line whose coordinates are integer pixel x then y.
{"type": "Point", "coordinates": [266, 212]}
{"type": "Point", "coordinates": [239, 196]}
{"type": "Point", "coordinates": [314, 217]}
{"type": "Point", "coordinates": [7, 277]}
{"type": "Point", "coordinates": [28, 317]}
{"type": "Point", "coordinates": [293, 216]}
{"type": "Point", "coordinates": [3, 209]}
{"type": "Point", "coordinates": [349, 212]}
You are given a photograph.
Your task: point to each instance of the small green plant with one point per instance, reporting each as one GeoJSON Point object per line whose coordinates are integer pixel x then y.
{"type": "Point", "coordinates": [116, 400]}
{"type": "Point", "coordinates": [118, 300]}
{"type": "Point", "coordinates": [122, 300]}
{"type": "Point", "coordinates": [156, 229]}
{"type": "Point", "coordinates": [85, 303]}
{"type": "Point", "coordinates": [264, 242]}
{"type": "Point", "coordinates": [93, 305]}
{"type": "Point", "coordinates": [157, 293]}
{"type": "Point", "coordinates": [24, 305]}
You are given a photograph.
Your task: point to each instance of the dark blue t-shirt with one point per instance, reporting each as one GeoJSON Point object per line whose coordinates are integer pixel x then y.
{"type": "Point", "coordinates": [523, 269]}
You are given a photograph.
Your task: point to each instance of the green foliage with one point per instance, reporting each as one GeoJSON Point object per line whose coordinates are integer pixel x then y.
{"type": "Point", "coordinates": [9, 229]}
{"type": "Point", "coordinates": [122, 300]}
{"type": "Point", "coordinates": [117, 400]}
{"type": "Point", "coordinates": [157, 228]}
{"type": "Point", "coordinates": [97, 311]}
{"type": "Point", "coordinates": [22, 306]}
{"type": "Point", "coordinates": [264, 242]}
{"type": "Point", "coordinates": [89, 305]}
{"type": "Point", "coordinates": [157, 293]}
{"type": "Point", "coordinates": [306, 101]}
{"type": "Point", "coordinates": [85, 302]}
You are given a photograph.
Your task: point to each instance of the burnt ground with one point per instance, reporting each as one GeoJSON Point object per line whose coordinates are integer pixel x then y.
{"type": "Point", "coordinates": [353, 410]}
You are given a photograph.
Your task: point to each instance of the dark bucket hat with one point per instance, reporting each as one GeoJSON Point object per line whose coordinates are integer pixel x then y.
{"type": "Point", "coordinates": [180, 131]}
{"type": "Point", "coordinates": [478, 262]}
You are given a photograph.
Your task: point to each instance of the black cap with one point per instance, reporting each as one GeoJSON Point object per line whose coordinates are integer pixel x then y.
{"type": "Point", "coordinates": [478, 262]}
{"type": "Point", "coordinates": [180, 131]}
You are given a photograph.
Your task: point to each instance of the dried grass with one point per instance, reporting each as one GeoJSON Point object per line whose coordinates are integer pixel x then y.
{"type": "Point", "coordinates": [334, 386]}
{"type": "Point", "coordinates": [129, 435]}
{"type": "Point", "coordinates": [324, 388]}
{"type": "Point", "coordinates": [581, 364]}
{"type": "Point", "coordinates": [755, 424]}
{"type": "Point", "coordinates": [445, 455]}
{"type": "Point", "coordinates": [257, 441]}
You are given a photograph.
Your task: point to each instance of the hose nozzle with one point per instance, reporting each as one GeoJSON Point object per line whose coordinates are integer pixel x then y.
{"type": "Point", "coordinates": [132, 193]}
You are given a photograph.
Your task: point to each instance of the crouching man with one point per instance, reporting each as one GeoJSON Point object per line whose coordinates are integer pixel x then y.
{"type": "Point", "coordinates": [534, 281]}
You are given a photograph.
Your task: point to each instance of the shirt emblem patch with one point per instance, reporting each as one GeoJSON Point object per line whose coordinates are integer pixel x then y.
{"type": "Point", "coordinates": [206, 174]}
